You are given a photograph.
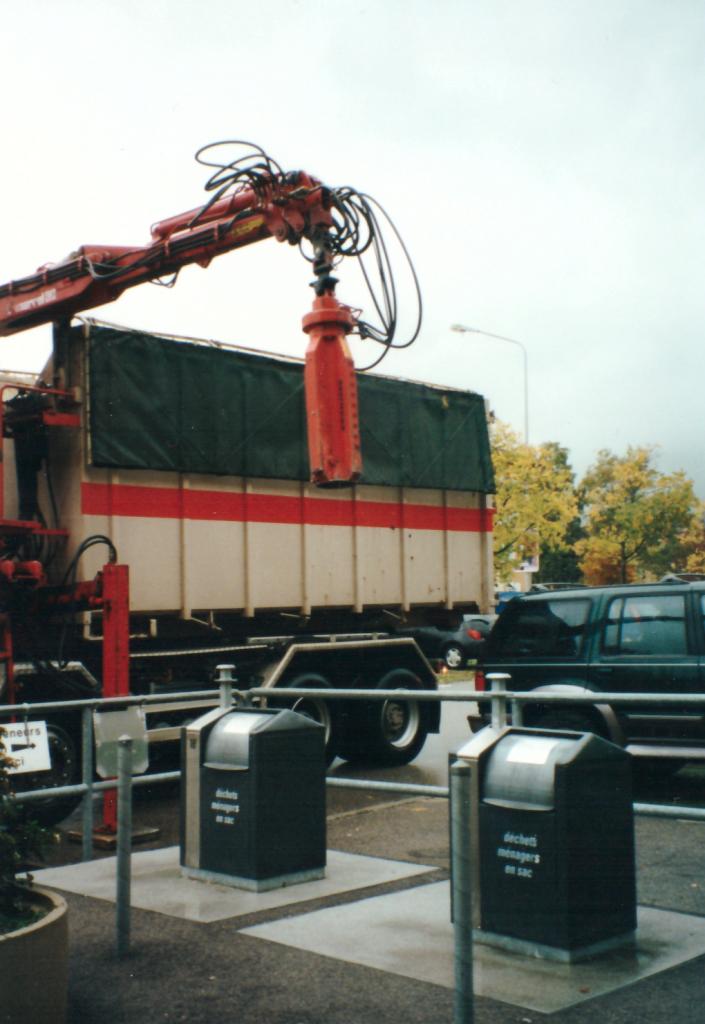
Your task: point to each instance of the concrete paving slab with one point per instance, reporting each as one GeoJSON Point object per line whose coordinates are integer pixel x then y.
{"type": "Point", "coordinates": [157, 884]}
{"type": "Point", "coordinates": [409, 934]}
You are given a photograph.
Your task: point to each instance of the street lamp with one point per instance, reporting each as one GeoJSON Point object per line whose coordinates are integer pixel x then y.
{"type": "Point", "coordinates": [462, 329]}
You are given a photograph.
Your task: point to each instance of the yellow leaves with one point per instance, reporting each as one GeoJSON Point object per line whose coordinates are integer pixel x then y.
{"type": "Point", "coordinates": [536, 500]}
{"type": "Point", "coordinates": [634, 518]}
{"type": "Point", "coordinates": [636, 522]}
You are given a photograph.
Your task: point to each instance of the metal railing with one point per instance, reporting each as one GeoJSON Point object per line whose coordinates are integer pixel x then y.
{"type": "Point", "coordinates": [503, 703]}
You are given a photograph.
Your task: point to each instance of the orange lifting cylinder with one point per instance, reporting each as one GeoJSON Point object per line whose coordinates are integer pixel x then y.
{"type": "Point", "coordinates": [331, 395]}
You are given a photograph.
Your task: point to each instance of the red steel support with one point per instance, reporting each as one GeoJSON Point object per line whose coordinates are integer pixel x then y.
{"type": "Point", "coordinates": [7, 658]}
{"type": "Point", "coordinates": [331, 395]}
{"type": "Point", "coordinates": [116, 655]}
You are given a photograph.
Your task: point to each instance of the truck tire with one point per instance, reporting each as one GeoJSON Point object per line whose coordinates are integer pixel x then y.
{"type": "Point", "coordinates": [321, 711]}
{"type": "Point", "coordinates": [389, 732]}
{"type": "Point", "coordinates": [65, 771]}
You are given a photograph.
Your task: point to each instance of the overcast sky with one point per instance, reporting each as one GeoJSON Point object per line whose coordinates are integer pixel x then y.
{"type": "Point", "coordinates": [544, 161]}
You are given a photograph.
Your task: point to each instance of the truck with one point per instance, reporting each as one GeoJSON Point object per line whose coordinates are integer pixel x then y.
{"type": "Point", "coordinates": [161, 513]}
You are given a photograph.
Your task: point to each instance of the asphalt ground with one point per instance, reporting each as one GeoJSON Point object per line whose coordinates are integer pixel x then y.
{"type": "Point", "coordinates": [207, 974]}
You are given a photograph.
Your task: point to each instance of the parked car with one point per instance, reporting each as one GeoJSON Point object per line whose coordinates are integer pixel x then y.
{"type": "Point", "coordinates": [623, 639]}
{"type": "Point", "coordinates": [454, 647]}
{"type": "Point", "coordinates": [467, 641]}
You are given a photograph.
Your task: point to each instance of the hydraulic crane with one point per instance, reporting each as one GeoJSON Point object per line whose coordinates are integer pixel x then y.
{"type": "Point", "coordinates": [254, 200]}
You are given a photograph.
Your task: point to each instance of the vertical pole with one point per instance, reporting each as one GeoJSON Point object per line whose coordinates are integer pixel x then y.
{"type": "Point", "coordinates": [224, 677]}
{"type": "Point", "coordinates": [498, 685]}
{"type": "Point", "coordinates": [124, 845]}
{"type": "Point", "coordinates": [116, 653]}
{"type": "Point", "coordinates": [87, 778]}
{"type": "Point", "coordinates": [461, 896]}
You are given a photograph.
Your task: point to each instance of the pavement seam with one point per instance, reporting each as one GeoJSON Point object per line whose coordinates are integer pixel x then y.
{"type": "Point", "coordinates": [375, 807]}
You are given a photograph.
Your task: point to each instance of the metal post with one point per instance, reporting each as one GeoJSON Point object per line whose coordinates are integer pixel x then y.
{"type": "Point", "coordinates": [517, 709]}
{"type": "Point", "coordinates": [116, 653]}
{"type": "Point", "coordinates": [498, 685]}
{"type": "Point", "coordinates": [87, 779]}
{"type": "Point", "coordinates": [224, 677]}
{"type": "Point", "coordinates": [461, 896]}
{"type": "Point", "coordinates": [124, 845]}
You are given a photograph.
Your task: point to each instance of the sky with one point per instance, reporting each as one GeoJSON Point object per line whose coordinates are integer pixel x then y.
{"type": "Point", "coordinates": [543, 161]}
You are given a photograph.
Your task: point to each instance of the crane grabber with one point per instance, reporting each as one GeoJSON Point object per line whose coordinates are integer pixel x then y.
{"type": "Point", "coordinates": [253, 199]}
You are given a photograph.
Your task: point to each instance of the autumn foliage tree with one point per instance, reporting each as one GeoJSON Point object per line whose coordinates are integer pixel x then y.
{"type": "Point", "coordinates": [637, 521]}
{"type": "Point", "coordinates": [694, 542]}
{"type": "Point", "coordinates": [535, 502]}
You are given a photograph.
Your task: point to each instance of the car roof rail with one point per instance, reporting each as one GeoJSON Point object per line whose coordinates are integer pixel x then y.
{"type": "Point", "coordinates": [683, 577]}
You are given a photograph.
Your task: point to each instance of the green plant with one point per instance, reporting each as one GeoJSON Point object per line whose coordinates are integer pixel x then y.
{"type": "Point", "coordinates": [21, 839]}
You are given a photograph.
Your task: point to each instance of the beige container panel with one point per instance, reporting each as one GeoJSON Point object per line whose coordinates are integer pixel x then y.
{"type": "Point", "coordinates": [465, 566]}
{"type": "Point", "coordinates": [424, 566]}
{"type": "Point", "coordinates": [377, 549]}
{"type": "Point", "coordinates": [379, 566]}
{"type": "Point", "coordinates": [214, 570]}
{"type": "Point", "coordinates": [151, 548]}
{"type": "Point", "coordinates": [274, 559]}
{"type": "Point", "coordinates": [331, 565]}
{"type": "Point", "coordinates": [423, 554]}
{"type": "Point", "coordinates": [469, 556]}
{"type": "Point", "coordinates": [213, 552]}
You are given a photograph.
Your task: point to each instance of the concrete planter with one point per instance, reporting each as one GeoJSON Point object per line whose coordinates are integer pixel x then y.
{"type": "Point", "coordinates": [34, 966]}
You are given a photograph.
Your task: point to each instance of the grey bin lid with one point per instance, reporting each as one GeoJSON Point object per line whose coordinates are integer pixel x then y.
{"type": "Point", "coordinates": [228, 745]}
{"type": "Point", "coordinates": [520, 771]}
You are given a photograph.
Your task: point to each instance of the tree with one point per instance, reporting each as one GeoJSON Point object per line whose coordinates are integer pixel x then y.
{"type": "Point", "coordinates": [535, 500]}
{"type": "Point", "coordinates": [693, 541]}
{"type": "Point", "coordinates": [635, 518]}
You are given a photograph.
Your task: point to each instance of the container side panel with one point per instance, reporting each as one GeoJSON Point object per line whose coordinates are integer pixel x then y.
{"type": "Point", "coordinates": [379, 546]}
{"type": "Point", "coordinates": [214, 570]}
{"type": "Point", "coordinates": [330, 563]}
{"type": "Point", "coordinates": [275, 565]}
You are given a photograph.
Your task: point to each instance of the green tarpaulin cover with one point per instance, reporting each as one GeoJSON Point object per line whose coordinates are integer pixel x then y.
{"type": "Point", "coordinates": [162, 404]}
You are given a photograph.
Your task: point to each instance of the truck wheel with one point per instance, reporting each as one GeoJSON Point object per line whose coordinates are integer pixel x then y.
{"type": "Point", "coordinates": [65, 771]}
{"type": "Point", "coordinates": [393, 731]}
{"type": "Point", "coordinates": [317, 710]}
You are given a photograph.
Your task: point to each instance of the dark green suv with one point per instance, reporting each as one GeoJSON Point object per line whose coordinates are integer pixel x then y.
{"type": "Point", "coordinates": [620, 639]}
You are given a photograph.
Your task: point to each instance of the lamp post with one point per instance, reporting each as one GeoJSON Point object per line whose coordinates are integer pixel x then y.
{"type": "Point", "coordinates": [462, 329]}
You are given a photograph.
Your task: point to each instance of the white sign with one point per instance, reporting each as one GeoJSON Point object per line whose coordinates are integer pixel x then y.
{"type": "Point", "coordinates": [27, 744]}
{"type": "Point", "coordinates": [109, 727]}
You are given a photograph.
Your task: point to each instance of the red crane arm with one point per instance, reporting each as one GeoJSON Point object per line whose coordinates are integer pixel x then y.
{"type": "Point", "coordinates": [288, 209]}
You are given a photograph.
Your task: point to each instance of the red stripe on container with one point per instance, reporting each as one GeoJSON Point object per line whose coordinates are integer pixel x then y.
{"type": "Point", "coordinates": [223, 506]}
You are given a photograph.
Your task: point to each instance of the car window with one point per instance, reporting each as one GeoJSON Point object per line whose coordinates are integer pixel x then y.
{"type": "Point", "coordinates": [542, 629]}
{"type": "Point", "coordinates": [653, 624]}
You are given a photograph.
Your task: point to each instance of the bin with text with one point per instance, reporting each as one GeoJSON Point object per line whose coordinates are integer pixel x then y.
{"type": "Point", "coordinates": [253, 799]}
{"type": "Point", "coordinates": [554, 844]}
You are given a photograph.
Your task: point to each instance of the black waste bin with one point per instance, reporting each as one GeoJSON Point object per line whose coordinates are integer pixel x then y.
{"type": "Point", "coordinates": [253, 798]}
{"type": "Point", "coordinates": [553, 842]}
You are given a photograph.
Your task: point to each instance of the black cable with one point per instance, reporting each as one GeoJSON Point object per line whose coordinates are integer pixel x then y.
{"type": "Point", "coordinates": [356, 231]}
{"type": "Point", "coordinates": [89, 542]}
{"type": "Point", "coordinates": [70, 576]}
